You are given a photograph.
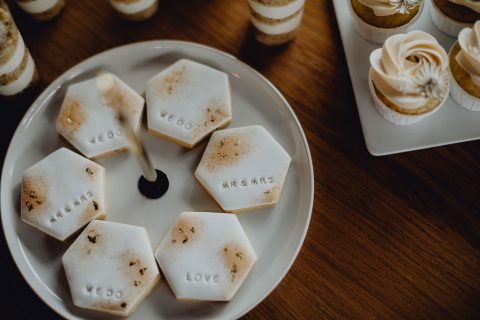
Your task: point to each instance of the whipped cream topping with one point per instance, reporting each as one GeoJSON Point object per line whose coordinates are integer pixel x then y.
{"type": "Point", "coordinates": [471, 4]}
{"type": "Point", "coordinates": [410, 69]}
{"type": "Point", "coordinates": [276, 12]}
{"type": "Point", "coordinates": [37, 6]}
{"type": "Point", "coordinates": [389, 7]}
{"type": "Point", "coordinates": [132, 8]}
{"type": "Point", "coordinates": [469, 56]}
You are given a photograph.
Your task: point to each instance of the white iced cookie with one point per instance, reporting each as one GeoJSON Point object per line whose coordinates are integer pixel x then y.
{"type": "Point", "coordinates": [62, 193]}
{"type": "Point", "coordinates": [206, 256]}
{"type": "Point", "coordinates": [136, 10]}
{"type": "Point", "coordinates": [110, 267]}
{"type": "Point", "coordinates": [88, 118]}
{"type": "Point", "coordinates": [187, 101]}
{"type": "Point", "coordinates": [243, 168]}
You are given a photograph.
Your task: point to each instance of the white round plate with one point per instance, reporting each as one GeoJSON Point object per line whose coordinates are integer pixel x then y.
{"type": "Point", "coordinates": [276, 234]}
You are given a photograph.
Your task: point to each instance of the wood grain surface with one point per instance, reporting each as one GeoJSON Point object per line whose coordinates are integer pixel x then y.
{"type": "Point", "coordinates": [395, 237]}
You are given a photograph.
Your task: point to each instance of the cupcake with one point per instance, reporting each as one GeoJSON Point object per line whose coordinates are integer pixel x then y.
{"type": "Point", "coordinates": [408, 77]}
{"type": "Point", "coordinates": [376, 20]}
{"type": "Point", "coordinates": [464, 60]}
{"type": "Point", "coordinates": [42, 9]}
{"type": "Point", "coordinates": [451, 16]}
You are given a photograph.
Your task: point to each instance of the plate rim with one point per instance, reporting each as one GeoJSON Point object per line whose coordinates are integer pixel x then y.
{"type": "Point", "coordinates": [71, 73]}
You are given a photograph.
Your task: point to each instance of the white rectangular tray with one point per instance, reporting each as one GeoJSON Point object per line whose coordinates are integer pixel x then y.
{"type": "Point", "coordinates": [451, 124]}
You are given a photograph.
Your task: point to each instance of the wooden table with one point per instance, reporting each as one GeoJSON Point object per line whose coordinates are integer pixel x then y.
{"type": "Point", "coordinates": [395, 237]}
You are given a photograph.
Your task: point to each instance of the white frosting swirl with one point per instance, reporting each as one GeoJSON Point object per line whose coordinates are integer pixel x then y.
{"type": "Point", "coordinates": [472, 4]}
{"type": "Point", "coordinates": [410, 69]}
{"type": "Point", "coordinates": [389, 7]}
{"type": "Point", "coordinates": [469, 55]}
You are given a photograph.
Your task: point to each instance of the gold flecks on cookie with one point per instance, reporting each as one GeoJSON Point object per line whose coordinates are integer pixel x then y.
{"type": "Point", "coordinates": [271, 195]}
{"type": "Point", "coordinates": [134, 269]}
{"type": "Point", "coordinates": [111, 305]}
{"type": "Point", "coordinates": [91, 171]}
{"type": "Point", "coordinates": [92, 243]}
{"type": "Point", "coordinates": [227, 151]}
{"type": "Point", "coordinates": [185, 231]}
{"type": "Point", "coordinates": [93, 237]}
{"type": "Point", "coordinates": [215, 113]}
{"type": "Point", "coordinates": [168, 84]}
{"type": "Point", "coordinates": [72, 116]}
{"type": "Point", "coordinates": [34, 196]}
{"type": "Point", "coordinates": [236, 260]}
{"type": "Point", "coordinates": [91, 211]}
{"type": "Point", "coordinates": [119, 99]}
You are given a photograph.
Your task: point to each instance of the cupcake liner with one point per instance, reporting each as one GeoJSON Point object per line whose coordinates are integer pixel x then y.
{"type": "Point", "coordinates": [379, 35]}
{"type": "Point", "coordinates": [462, 97]}
{"type": "Point", "coordinates": [394, 116]}
{"type": "Point", "coordinates": [446, 24]}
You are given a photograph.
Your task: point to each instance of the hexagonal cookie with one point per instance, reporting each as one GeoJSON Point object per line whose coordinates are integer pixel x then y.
{"type": "Point", "coordinates": [187, 101]}
{"type": "Point", "coordinates": [88, 118]}
{"type": "Point", "coordinates": [243, 168]}
{"type": "Point", "coordinates": [110, 267]}
{"type": "Point", "coordinates": [206, 256]}
{"type": "Point", "coordinates": [62, 193]}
